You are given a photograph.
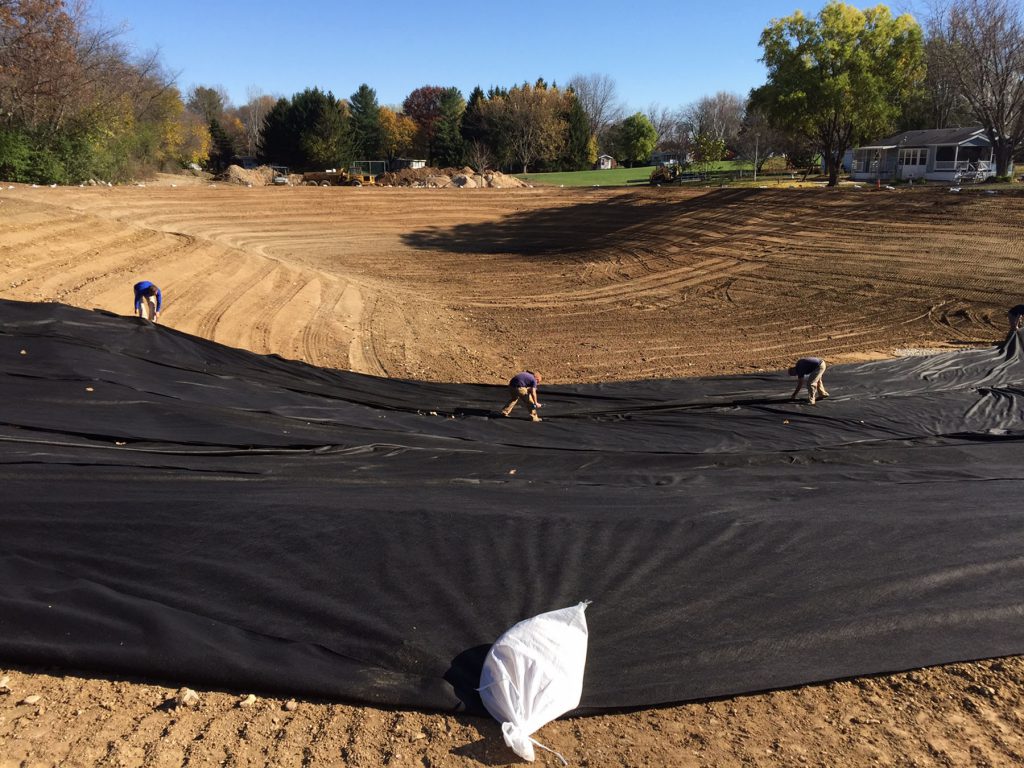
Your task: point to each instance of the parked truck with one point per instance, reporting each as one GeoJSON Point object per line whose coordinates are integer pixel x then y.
{"type": "Point", "coordinates": [360, 172]}
{"type": "Point", "coordinates": [336, 178]}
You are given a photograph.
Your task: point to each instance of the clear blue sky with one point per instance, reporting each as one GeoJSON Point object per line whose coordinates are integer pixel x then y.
{"type": "Point", "coordinates": [665, 51]}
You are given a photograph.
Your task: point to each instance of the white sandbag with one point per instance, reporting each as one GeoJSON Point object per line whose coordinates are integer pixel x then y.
{"type": "Point", "coordinates": [534, 673]}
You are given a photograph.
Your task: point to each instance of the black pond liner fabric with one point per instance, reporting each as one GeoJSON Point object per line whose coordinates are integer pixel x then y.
{"type": "Point", "coordinates": [183, 511]}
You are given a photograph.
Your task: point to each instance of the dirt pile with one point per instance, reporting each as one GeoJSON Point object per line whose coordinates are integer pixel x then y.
{"type": "Point", "coordinates": [256, 177]}
{"type": "Point", "coordinates": [437, 178]}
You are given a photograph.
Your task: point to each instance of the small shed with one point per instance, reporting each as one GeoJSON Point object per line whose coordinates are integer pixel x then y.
{"type": "Point", "coordinates": [407, 162]}
{"type": "Point", "coordinates": [606, 162]}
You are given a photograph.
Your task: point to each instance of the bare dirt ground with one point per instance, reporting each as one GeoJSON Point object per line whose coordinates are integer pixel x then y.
{"type": "Point", "coordinates": [582, 285]}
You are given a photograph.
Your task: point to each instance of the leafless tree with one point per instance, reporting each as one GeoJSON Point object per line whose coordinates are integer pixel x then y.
{"type": "Point", "coordinates": [757, 140]}
{"type": "Point", "coordinates": [252, 114]}
{"type": "Point", "coordinates": [981, 50]}
{"type": "Point", "coordinates": [479, 156]}
{"type": "Point", "coordinates": [664, 120]}
{"type": "Point", "coordinates": [598, 95]}
{"type": "Point", "coordinates": [944, 107]}
{"type": "Point", "coordinates": [678, 139]}
{"type": "Point", "coordinates": [718, 116]}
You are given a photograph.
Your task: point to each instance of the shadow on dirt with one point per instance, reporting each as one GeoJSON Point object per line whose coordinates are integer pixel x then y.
{"type": "Point", "coordinates": [490, 750]}
{"type": "Point", "coordinates": [642, 218]}
{"type": "Point", "coordinates": [601, 224]}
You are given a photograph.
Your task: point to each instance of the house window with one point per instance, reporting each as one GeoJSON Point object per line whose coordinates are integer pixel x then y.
{"type": "Point", "coordinates": [945, 153]}
{"type": "Point", "coordinates": [913, 156]}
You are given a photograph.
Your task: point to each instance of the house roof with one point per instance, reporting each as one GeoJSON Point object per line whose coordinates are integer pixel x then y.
{"type": "Point", "coordinates": [927, 138]}
{"type": "Point", "coordinates": [600, 156]}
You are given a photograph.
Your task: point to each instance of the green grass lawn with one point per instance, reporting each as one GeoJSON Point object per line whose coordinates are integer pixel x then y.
{"type": "Point", "coordinates": [616, 177]}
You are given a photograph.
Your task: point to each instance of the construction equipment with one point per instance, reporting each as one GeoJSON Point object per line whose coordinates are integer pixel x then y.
{"type": "Point", "coordinates": [360, 172]}
{"type": "Point", "coordinates": [666, 173]}
{"type": "Point", "coordinates": [333, 178]}
{"type": "Point", "coordinates": [280, 177]}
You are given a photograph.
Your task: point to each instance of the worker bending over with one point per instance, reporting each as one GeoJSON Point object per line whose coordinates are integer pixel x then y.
{"type": "Point", "coordinates": [810, 369]}
{"type": "Point", "coordinates": [523, 386]}
{"type": "Point", "coordinates": [148, 300]}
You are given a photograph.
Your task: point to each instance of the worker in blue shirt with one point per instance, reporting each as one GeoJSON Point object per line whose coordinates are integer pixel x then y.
{"type": "Point", "coordinates": [148, 300]}
{"type": "Point", "coordinates": [523, 387]}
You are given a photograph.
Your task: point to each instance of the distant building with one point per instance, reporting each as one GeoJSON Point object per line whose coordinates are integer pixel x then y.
{"type": "Point", "coordinates": [405, 162]}
{"type": "Point", "coordinates": [666, 158]}
{"type": "Point", "coordinates": [606, 163]}
{"type": "Point", "coordinates": [950, 155]}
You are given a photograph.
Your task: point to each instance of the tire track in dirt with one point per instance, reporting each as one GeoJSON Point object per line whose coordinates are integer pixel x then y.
{"type": "Point", "coordinates": [317, 339]}
{"type": "Point", "coordinates": [270, 296]}
{"type": "Point", "coordinates": [365, 349]}
{"type": "Point", "coordinates": [254, 273]}
{"type": "Point", "coordinates": [31, 235]}
{"type": "Point", "coordinates": [39, 267]}
{"type": "Point", "coordinates": [118, 264]}
{"type": "Point", "coordinates": [200, 277]}
{"type": "Point", "coordinates": [660, 283]}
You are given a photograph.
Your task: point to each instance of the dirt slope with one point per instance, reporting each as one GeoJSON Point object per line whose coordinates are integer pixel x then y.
{"type": "Point", "coordinates": [584, 285]}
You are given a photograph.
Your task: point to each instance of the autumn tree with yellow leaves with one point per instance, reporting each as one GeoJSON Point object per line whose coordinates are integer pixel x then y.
{"type": "Point", "coordinates": [74, 104]}
{"type": "Point", "coordinates": [839, 78]}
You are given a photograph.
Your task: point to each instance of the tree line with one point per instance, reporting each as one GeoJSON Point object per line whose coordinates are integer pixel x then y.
{"type": "Point", "coordinates": [75, 103]}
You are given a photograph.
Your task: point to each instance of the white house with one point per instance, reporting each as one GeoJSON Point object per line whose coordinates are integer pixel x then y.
{"type": "Point", "coordinates": [406, 162]}
{"type": "Point", "coordinates": [667, 157]}
{"type": "Point", "coordinates": [605, 162]}
{"type": "Point", "coordinates": [952, 155]}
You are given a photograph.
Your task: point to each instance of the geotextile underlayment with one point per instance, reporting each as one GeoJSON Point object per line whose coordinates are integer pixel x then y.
{"type": "Point", "coordinates": [180, 510]}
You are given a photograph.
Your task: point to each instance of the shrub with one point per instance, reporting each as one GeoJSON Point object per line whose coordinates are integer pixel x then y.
{"type": "Point", "coordinates": [15, 153]}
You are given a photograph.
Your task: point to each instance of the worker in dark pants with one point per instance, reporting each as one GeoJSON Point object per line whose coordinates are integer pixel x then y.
{"type": "Point", "coordinates": [523, 386]}
{"type": "Point", "coordinates": [809, 369]}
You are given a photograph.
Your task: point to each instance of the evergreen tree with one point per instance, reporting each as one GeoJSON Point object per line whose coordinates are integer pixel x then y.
{"type": "Point", "coordinates": [364, 123]}
{"type": "Point", "coordinates": [474, 127]}
{"type": "Point", "coordinates": [579, 145]}
{"type": "Point", "coordinates": [307, 133]}
{"type": "Point", "coordinates": [208, 103]}
{"type": "Point", "coordinates": [278, 143]}
{"type": "Point", "coordinates": [449, 147]}
{"type": "Point", "coordinates": [317, 122]}
{"type": "Point", "coordinates": [222, 151]}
